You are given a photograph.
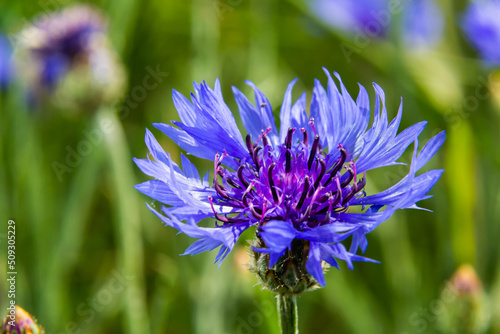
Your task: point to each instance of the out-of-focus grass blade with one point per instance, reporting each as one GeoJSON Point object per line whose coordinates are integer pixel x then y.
{"type": "Point", "coordinates": [460, 171]}
{"type": "Point", "coordinates": [341, 296]}
{"type": "Point", "coordinates": [4, 196]}
{"type": "Point", "coordinates": [166, 282]}
{"type": "Point", "coordinates": [122, 16]}
{"type": "Point", "coordinates": [263, 59]}
{"type": "Point", "coordinates": [75, 214]}
{"type": "Point", "coordinates": [495, 300]}
{"type": "Point", "coordinates": [205, 18]}
{"type": "Point", "coordinates": [127, 222]}
{"type": "Point", "coordinates": [29, 186]}
{"type": "Point", "coordinates": [211, 297]}
{"type": "Point", "coordinates": [399, 265]}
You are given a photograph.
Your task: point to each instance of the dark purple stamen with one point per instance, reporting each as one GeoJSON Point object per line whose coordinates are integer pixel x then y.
{"type": "Point", "coordinates": [306, 136]}
{"type": "Point", "coordinates": [220, 172]}
{"type": "Point", "coordinates": [288, 154]}
{"type": "Point", "coordinates": [336, 196]}
{"type": "Point", "coordinates": [336, 200]}
{"type": "Point", "coordinates": [254, 212]}
{"type": "Point", "coordinates": [357, 187]}
{"type": "Point", "coordinates": [247, 191]}
{"type": "Point", "coordinates": [327, 215]}
{"type": "Point", "coordinates": [349, 195]}
{"type": "Point", "coordinates": [271, 183]}
{"type": "Point", "coordinates": [310, 207]}
{"type": "Point", "coordinates": [222, 191]}
{"type": "Point", "coordinates": [232, 183]}
{"type": "Point", "coordinates": [323, 203]}
{"type": "Point", "coordinates": [256, 157]}
{"type": "Point", "coordinates": [324, 198]}
{"type": "Point", "coordinates": [338, 165]}
{"type": "Point", "coordinates": [304, 193]}
{"type": "Point", "coordinates": [321, 173]}
{"type": "Point", "coordinates": [226, 219]}
{"type": "Point", "coordinates": [360, 185]}
{"type": "Point", "coordinates": [240, 176]}
{"type": "Point", "coordinates": [288, 139]}
{"type": "Point", "coordinates": [223, 219]}
{"type": "Point", "coordinates": [217, 182]}
{"type": "Point", "coordinates": [349, 178]}
{"type": "Point", "coordinates": [248, 141]}
{"type": "Point", "coordinates": [314, 149]}
{"type": "Point", "coordinates": [265, 141]}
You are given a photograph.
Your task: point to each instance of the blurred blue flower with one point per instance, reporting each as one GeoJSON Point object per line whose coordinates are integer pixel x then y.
{"type": "Point", "coordinates": [67, 60]}
{"type": "Point", "coordinates": [304, 182]}
{"type": "Point", "coordinates": [481, 25]}
{"type": "Point", "coordinates": [368, 17]}
{"type": "Point", "coordinates": [423, 23]}
{"type": "Point", "coordinates": [59, 40]}
{"type": "Point", "coordinates": [6, 65]}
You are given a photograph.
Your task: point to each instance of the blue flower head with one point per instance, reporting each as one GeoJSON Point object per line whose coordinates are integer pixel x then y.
{"type": "Point", "coordinates": [481, 25]}
{"type": "Point", "coordinates": [303, 184]}
{"type": "Point", "coordinates": [423, 23]}
{"type": "Point", "coordinates": [366, 17]}
{"type": "Point", "coordinates": [61, 39]}
{"type": "Point", "coordinates": [6, 64]}
{"type": "Point", "coordinates": [67, 54]}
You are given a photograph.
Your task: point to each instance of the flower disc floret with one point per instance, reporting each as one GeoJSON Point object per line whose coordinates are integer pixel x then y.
{"type": "Point", "coordinates": [296, 182]}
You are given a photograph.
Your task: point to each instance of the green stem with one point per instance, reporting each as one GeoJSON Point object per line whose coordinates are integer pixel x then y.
{"type": "Point", "coordinates": [289, 317]}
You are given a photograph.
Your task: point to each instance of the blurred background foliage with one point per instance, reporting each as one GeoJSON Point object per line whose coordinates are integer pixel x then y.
{"type": "Point", "coordinates": [92, 259]}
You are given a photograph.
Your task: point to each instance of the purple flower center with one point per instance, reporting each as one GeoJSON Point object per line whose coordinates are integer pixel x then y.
{"type": "Point", "coordinates": [293, 181]}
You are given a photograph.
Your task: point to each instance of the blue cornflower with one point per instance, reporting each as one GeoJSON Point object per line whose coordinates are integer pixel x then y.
{"type": "Point", "coordinates": [303, 184]}
{"type": "Point", "coordinates": [6, 66]}
{"type": "Point", "coordinates": [423, 23]}
{"type": "Point", "coordinates": [67, 55]}
{"type": "Point", "coordinates": [60, 40]}
{"type": "Point", "coordinates": [481, 25]}
{"type": "Point", "coordinates": [366, 17]}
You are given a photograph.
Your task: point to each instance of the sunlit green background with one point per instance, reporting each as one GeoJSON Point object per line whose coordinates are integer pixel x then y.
{"type": "Point", "coordinates": [75, 237]}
